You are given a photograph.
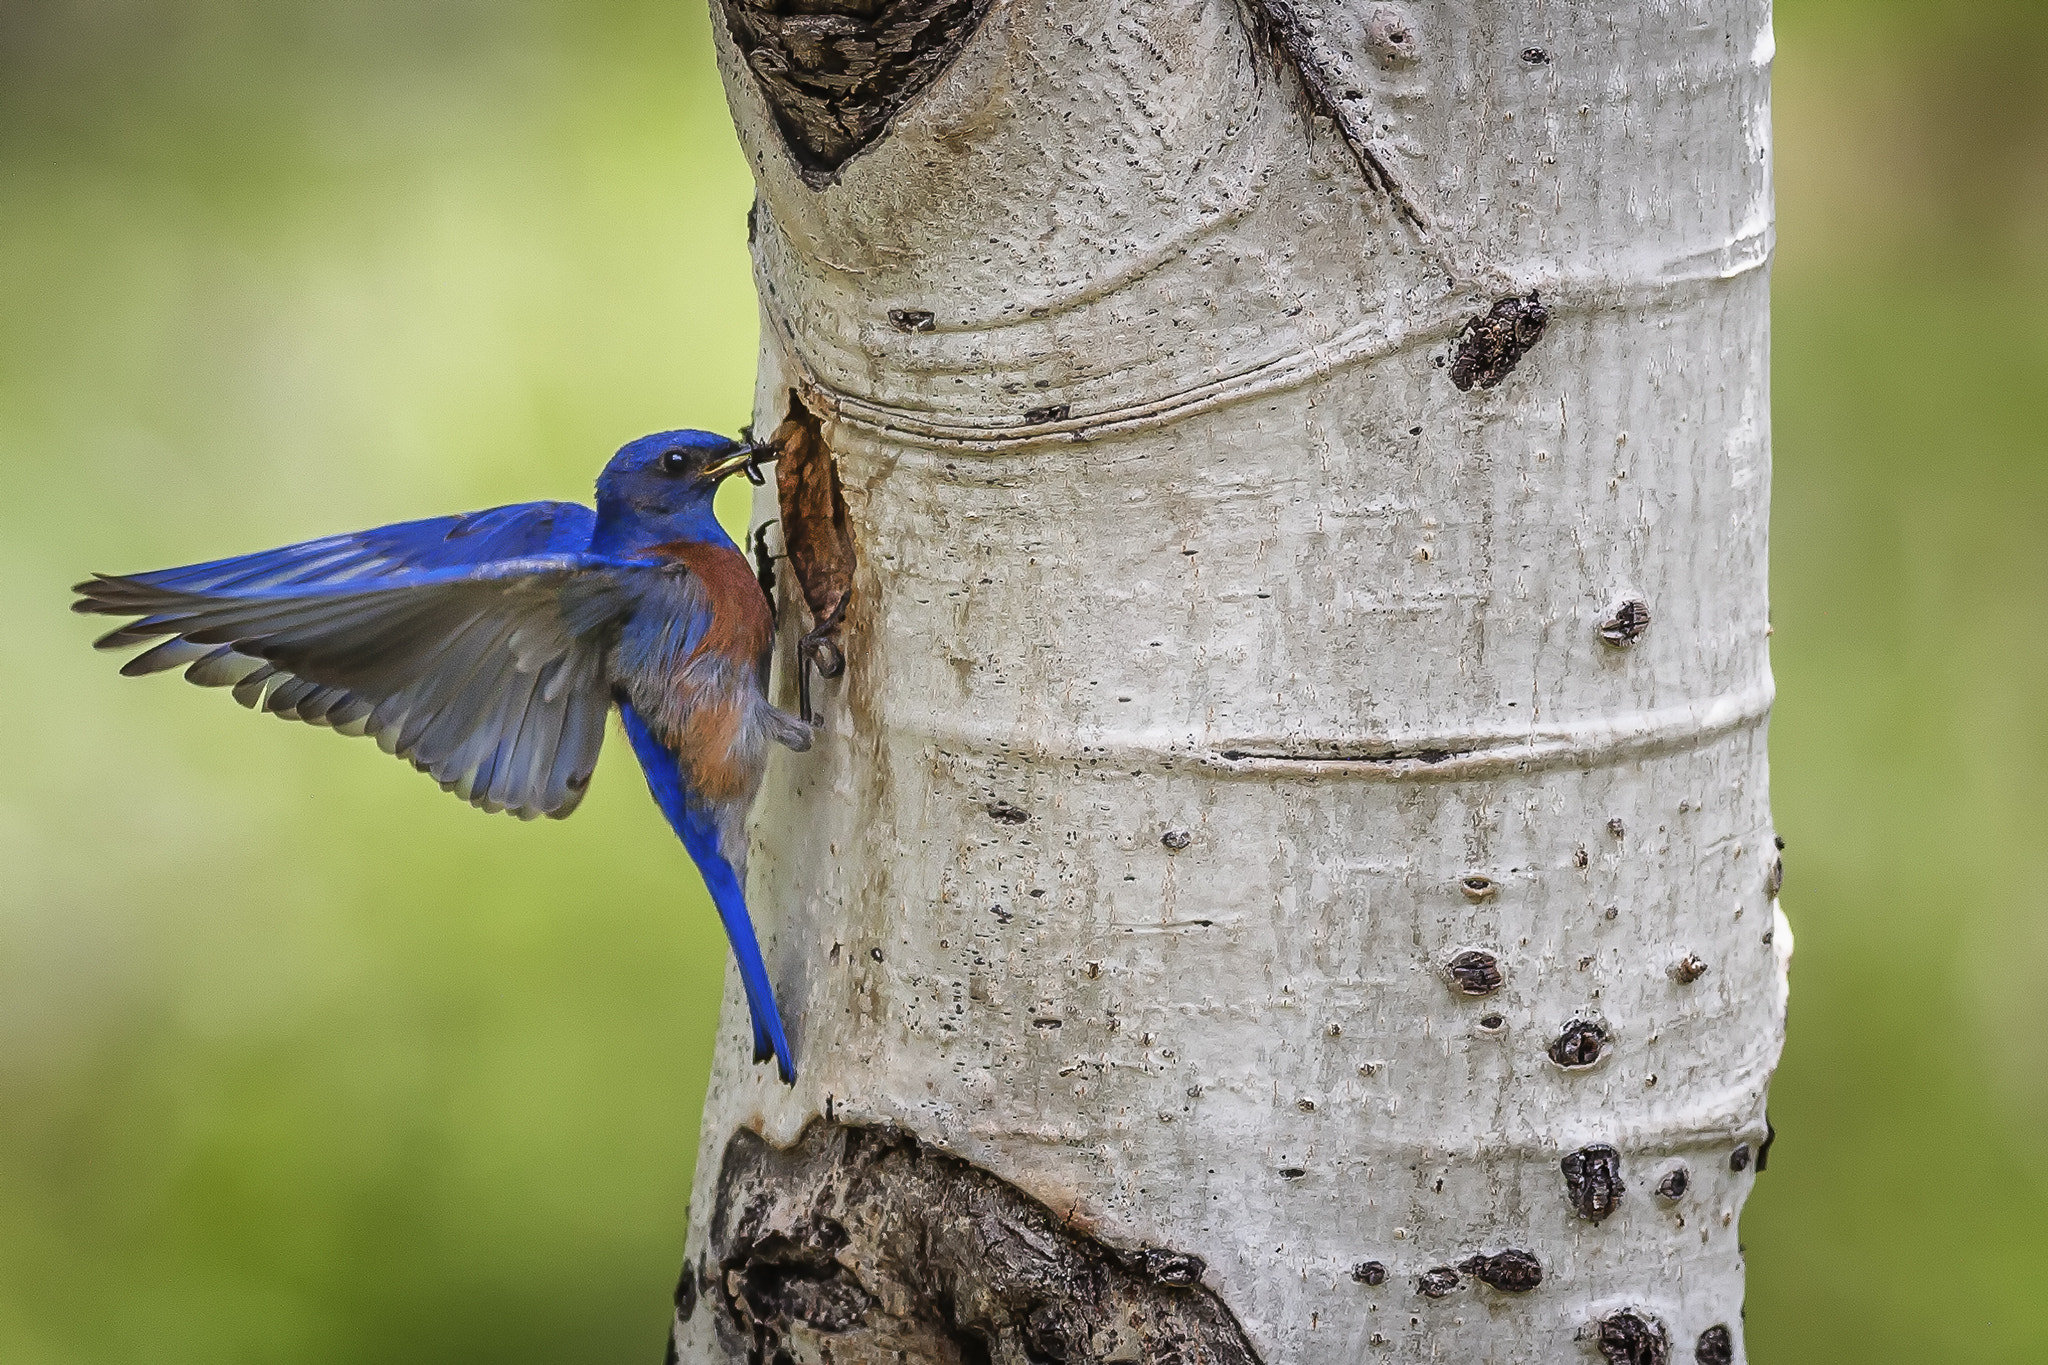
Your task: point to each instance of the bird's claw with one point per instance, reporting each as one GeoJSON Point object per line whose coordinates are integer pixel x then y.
{"type": "Point", "coordinates": [822, 653]}
{"type": "Point", "coordinates": [764, 564]}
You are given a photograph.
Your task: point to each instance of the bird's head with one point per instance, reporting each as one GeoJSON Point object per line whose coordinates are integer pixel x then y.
{"type": "Point", "coordinates": [662, 485]}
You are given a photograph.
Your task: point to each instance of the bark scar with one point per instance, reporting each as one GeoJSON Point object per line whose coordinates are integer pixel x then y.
{"type": "Point", "coordinates": [835, 72]}
{"type": "Point", "coordinates": [865, 1243]}
{"type": "Point", "coordinates": [1489, 348]}
{"type": "Point", "coordinates": [1275, 23]}
{"type": "Point", "coordinates": [818, 538]}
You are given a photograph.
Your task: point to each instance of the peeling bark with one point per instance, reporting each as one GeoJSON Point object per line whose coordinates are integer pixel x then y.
{"type": "Point", "coordinates": [1303, 740]}
{"type": "Point", "coordinates": [816, 537]}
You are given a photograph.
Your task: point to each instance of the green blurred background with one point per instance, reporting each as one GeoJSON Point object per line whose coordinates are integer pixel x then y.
{"type": "Point", "coordinates": [302, 1061]}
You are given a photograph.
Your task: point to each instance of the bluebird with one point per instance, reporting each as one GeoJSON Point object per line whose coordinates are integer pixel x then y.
{"type": "Point", "coordinates": [487, 649]}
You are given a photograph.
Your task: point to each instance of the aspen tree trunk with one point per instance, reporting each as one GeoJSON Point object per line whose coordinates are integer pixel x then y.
{"type": "Point", "coordinates": [1286, 874]}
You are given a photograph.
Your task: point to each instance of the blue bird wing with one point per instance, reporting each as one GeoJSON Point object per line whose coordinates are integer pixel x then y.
{"type": "Point", "coordinates": [491, 677]}
{"type": "Point", "coordinates": [519, 531]}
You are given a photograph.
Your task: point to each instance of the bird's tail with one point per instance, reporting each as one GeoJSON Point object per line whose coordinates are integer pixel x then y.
{"type": "Point", "coordinates": [701, 836]}
{"type": "Point", "coordinates": [726, 894]}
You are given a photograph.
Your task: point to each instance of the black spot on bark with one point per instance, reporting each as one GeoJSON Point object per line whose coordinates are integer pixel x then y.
{"type": "Point", "coordinates": [1535, 56]}
{"type": "Point", "coordinates": [1490, 346]}
{"type": "Point", "coordinates": [1592, 1181]}
{"type": "Point", "coordinates": [1052, 412]}
{"type": "Point", "coordinates": [1763, 1149]}
{"type": "Point", "coordinates": [1738, 1160]}
{"type": "Point", "coordinates": [1632, 1338]}
{"type": "Point", "coordinates": [1476, 973]}
{"type": "Point", "coordinates": [911, 319]}
{"type": "Point", "coordinates": [1437, 1282]}
{"type": "Point", "coordinates": [1390, 36]}
{"type": "Point", "coordinates": [1176, 1268]}
{"type": "Point", "coordinates": [1477, 887]}
{"type": "Point", "coordinates": [1002, 812]}
{"type": "Point", "coordinates": [1716, 1347]}
{"type": "Point", "coordinates": [836, 71]}
{"type": "Point", "coordinates": [1176, 839]}
{"type": "Point", "coordinates": [1292, 1172]}
{"type": "Point", "coordinates": [1624, 625]}
{"type": "Point", "coordinates": [1774, 878]}
{"type": "Point", "coordinates": [900, 1252]}
{"type": "Point", "coordinates": [1674, 1184]}
{"type": "Point", "coordinates": [1511, 1271]}
{"type": "Point", "coordinates": [686, 1293]}
{"type": "Point", "coordinates": [1583, 1042]}
{"type": "Point", "coordinates": [1688, 969]}
{"type": "Point", "coordinates": [668, 1350]}
{"type": "Point", "coordinates": [1369, 1273]}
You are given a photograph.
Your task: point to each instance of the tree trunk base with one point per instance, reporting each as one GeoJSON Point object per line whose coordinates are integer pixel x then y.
{"type": "Point", "coordinates": [862, 1243]}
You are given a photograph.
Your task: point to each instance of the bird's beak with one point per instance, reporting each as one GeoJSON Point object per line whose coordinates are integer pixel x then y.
{"type": "Point", "coordinates": [746, 460]}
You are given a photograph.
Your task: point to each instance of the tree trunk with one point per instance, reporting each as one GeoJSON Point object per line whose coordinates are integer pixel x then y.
{"type": "Point", "coordinates": [1286, 874]}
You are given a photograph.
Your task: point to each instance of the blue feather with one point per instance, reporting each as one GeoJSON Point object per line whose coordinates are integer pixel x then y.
{"type": "Point", "coordinates": [698, 830]}
{"type": "Point", "coordinates": [520, 531]}
{"type": "Point", "coordinates": [443, 663]}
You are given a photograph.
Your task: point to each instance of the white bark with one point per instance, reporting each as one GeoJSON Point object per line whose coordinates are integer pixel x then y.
{"type": "Point", "coordinates": [1231, 594]}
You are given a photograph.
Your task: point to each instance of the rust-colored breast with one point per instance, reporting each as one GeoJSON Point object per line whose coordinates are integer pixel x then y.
{"type": "Point", "coordinates": [741, 628]}
{"type": "Point", "coordinates": [713, 765]}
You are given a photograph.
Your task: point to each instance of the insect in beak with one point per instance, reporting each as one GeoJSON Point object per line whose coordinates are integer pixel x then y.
{"type": "Point", "coordinates": [746, 460]}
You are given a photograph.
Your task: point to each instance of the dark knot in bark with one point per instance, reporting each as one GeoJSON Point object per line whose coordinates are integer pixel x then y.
{"type": "Point", "coordinates": [836, 71]}
{"type": "Point", "coordinates": [1592, 1181]}
{"type": "Point", "coordinates": [1633, 1338]}
{"type": "Point", "coordinates": [863, 1243]}
{"type": "Point", "coordinates": [1511, 1271]}
{"type": "Point", "coordinates": [1490, 346]}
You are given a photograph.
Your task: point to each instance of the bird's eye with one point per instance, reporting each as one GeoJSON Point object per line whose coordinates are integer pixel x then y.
{"type": "Point", "coordinates": [675, 461]}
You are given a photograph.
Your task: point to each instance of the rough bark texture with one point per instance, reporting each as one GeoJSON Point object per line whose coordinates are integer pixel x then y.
{"type": "Point", "coordinates": [1297, 796]}
{"type": "Point", "coordinates": [859, 1243]}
